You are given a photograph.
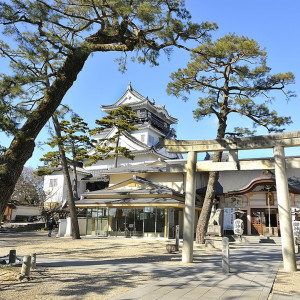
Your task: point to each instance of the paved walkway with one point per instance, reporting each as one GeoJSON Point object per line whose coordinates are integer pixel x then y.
{"type": "Point", "coordinates": [253, 270]}
{"type": "Point", "coordinates": [252, 273]}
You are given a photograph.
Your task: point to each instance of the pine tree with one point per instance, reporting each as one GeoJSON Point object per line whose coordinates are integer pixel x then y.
{"type": "Point", "coordinates": [232, 76]}
{"type": "Point", "coordinates": [121, 120]}
{"type": "Point", "coordinates": [47, 45]}
{"type": "Point", "coordinates": [76, 142]}
{"type": "Point", "coordinates": [71, 138]}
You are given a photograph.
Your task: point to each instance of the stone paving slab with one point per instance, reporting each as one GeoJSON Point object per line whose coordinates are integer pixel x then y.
{"type": "Point", "coordinates": [253, 270]}
{"type": "Point", "coordinates": [252, 273]}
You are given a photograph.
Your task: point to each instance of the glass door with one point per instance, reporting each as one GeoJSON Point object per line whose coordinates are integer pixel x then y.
{"type": "Point", "coordinates": [97, 221]}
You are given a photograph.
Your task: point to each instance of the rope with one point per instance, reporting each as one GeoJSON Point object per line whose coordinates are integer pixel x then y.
{"type": "Point", "coordinates": [18, 261]}
{"type": "Point", "coordinates": [13, 264]}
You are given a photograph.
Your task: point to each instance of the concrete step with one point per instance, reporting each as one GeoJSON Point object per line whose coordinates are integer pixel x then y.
{"type": "Point", "coordinates": [255, 239]}
{"type": "Point", "coordinates": [216, 242]}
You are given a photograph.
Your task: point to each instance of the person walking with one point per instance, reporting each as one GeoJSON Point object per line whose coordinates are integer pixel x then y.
{"type": "Point", "coordinates": [51, 225]}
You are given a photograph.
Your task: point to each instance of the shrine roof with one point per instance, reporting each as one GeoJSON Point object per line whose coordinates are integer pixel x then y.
{"type": "Point", "coordinates": [267, 178]}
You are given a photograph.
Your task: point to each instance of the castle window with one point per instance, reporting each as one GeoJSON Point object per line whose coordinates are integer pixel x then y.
{"type": "Point", "coordinates": [53, 183]}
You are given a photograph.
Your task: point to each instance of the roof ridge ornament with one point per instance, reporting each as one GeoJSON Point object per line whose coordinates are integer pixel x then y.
{"type": "Point", "coordinates": [129, 87]}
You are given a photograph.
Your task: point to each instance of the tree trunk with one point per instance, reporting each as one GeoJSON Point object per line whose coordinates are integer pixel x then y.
{"type": "Point", "coordinates": [214, 176]}
{"type": "Point", "coordinates": [208, 202]}
{"type": "Point", "coordinates": [74, 187]}
{"type": "Point", "coordinates": [22, 146]}
{"type": "Point", "coordinates": [68, 184]}
{"type": "Point", "coordinates": [116, 152]}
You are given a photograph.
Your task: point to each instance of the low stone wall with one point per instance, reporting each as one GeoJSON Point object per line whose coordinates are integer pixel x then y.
{"type": "Point", "coordinates": [21, 227]}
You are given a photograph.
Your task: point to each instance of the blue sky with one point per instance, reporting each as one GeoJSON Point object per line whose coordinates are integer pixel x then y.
{"type": "Point", "coordinates": [274, 24]}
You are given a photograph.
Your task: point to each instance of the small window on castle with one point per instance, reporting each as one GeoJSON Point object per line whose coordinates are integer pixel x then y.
{"type": "Point", "coordinates": [53, 182]}
{"type": "Point", "coordinates": [143, 138]}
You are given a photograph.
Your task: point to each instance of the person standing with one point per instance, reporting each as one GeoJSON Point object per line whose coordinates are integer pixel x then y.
{"type": "Point", "coordinates": [51, 225]}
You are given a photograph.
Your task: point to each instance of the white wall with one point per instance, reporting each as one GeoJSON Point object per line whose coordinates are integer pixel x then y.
{"type": "Point", "coordinates": [54, 193]}
{"type": "Point", "coordinates": [58, 193]}
{"type": "Point", "coordinates": [150, 137]}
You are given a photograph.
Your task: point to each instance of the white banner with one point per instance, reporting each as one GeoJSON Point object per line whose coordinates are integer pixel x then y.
{"type": "Point", "coordinates": [229, 218]}
{"type": "Point", "coordinates": [296, 228]}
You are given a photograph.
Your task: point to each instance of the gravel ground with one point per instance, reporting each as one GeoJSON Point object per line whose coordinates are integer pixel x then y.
{"type": "Point", "coordinates": [92, 283]}
{"type": "Point", "coordinates": [287, 283]}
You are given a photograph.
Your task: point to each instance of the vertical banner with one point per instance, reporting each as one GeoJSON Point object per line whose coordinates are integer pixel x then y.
{"type": "Point", "coordinates": [229, 218]}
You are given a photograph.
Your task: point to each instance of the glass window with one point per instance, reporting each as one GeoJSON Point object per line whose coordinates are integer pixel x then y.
{"type": "Point", "coordinates": [129, 218]}
{"type": "Point", "coordinates": [112, 221]}
{"type": "Point", "coordinates": [149, 219]}
{"type": "Point", "coordinates": [160, 225]}
{"type": "Point", "coordinates": [91, 221]}
{"type": "Point", "coordinates": [139, 220]}
{"type": "Point", "coordinates": [88, 223]}
{"type": "Point", "coordinates": [53, 182]}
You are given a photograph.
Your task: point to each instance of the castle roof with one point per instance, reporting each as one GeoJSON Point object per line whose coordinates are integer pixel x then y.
{"type": "Point", "coordinates": [135, 100]}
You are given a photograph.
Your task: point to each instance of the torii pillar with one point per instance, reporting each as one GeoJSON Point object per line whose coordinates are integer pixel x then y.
{"type": "Point", "coordinates": [189, 210]}
{"type": "Point", "coordinates": [288, 251]}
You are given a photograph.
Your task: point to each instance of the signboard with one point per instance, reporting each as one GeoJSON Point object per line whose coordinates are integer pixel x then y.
{"type": "Point", "coordinates": [235, 201]}
{"type": "Point", "coordinates": [228, 218]}
{"type": "Point", "coordinates": [238, 226]}
{"type": "Point", "coordinates": [296, 213]}
{"type": "Point", "coordinates": [296, 228]}
{"type": "Point", "coordinates": [269, 199]}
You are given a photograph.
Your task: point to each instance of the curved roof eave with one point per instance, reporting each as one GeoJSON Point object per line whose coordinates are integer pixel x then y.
{"type": "Point", "coordinates": [252, 185]}
{"type": "Point", "coordinates": [268, 178]}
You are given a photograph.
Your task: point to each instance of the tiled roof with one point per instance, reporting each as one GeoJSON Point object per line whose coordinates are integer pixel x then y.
{"type": "Point", "coordinates": [138, 168]}
{"type": "Point", "coordinates": [156, 189]}
{"type": "Point", "coordinates": [129, 200]}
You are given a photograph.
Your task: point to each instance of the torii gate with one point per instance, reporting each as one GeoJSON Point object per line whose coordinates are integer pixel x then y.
{"type": "Point", "coordinates": [276, 141]}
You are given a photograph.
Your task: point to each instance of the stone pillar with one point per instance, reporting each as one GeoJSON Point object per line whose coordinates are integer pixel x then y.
{"type": "Point", "coordinates": [12, 257]}
{"type": "Point", "coordinates": [25, 271]}
{"type": "Point", "coordinates": [288, 252]}
{"type": "Point", "coordinates": [33, 260]}
{"type": "Point", "coordinates": [189, 210]}
{"type": "Point", "coordinates": [225, 255]}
